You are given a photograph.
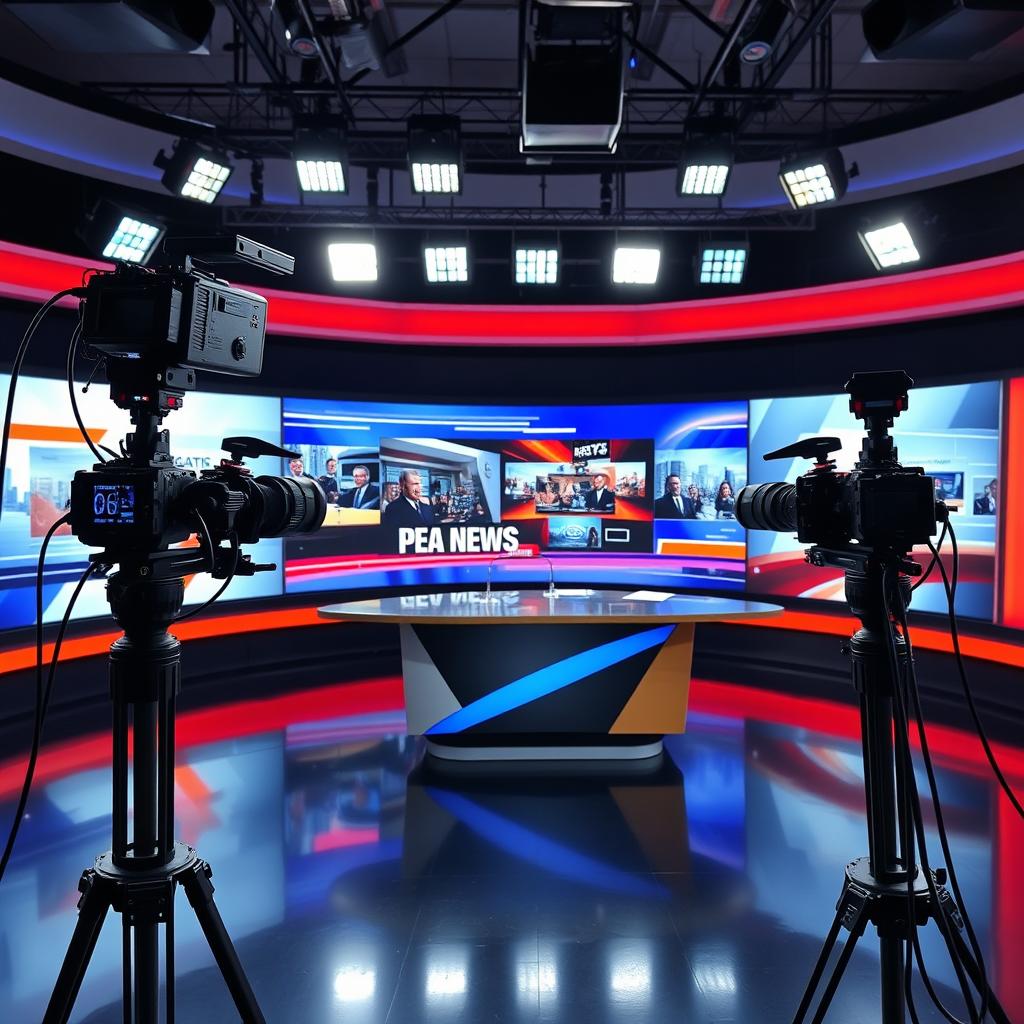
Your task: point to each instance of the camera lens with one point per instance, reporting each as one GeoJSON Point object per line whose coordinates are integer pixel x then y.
{"type": "Point", "coordinates": [767, 507]}
{"type": "Point", "coordinates": [290, 505]}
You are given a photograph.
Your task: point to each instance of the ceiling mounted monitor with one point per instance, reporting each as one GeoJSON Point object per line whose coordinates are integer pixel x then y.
{"type": "Point", "coordinates": [118, 26]}
{"type": "Point", "coordinates": [573, 68]}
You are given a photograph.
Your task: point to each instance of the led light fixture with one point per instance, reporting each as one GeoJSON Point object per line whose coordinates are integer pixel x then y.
{"type": "Point", "coordinates": [814, 178]}
{"type": "Point", "coordinates": [194, 171]}
{"type": "Point", "coordinates": [435, 154]}
{"type": "Point", "coordinates": [536, 264]}
{"type": "Point", "coordinates": [446, 264]}
{"type": "Point", "coordinates": [704, 171]}
{"type": "Point", "coordinates": [321, 162]}
{"type": "Point", "coordinates": [722, 263]}
{"type": "Point", "coordinates": [116, 233]}
{"type": "Point", "coordinates": [890, 246]}
{"type": "Point", "coordinates": [635, 265]}
{"type": "Point", "coordinates": [353, 261]}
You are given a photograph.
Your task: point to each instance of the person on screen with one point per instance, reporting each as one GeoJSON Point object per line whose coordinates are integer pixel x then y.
{"type": "Point", "coordinates": [409, 509]}
{"type": "Point", "coordinates": [673, 504]}
{"type": "Point", "coordinates": [364, 494]}
{"type": "Point", "coordinates": [478, 512]}
{"type": "Point", "coordinates": [985, 503]}
{"type": "Point", "coordinates": [593, 538]}
{"type": "Point", "coordinates": [295, 467]}
{"type": "Point", "coordinates": [599, 498]}
{"type": "Point", "coordinates": [693, 492]}
{"type": "Point", "coordinates": [940, 490]}
{"type": "Point", "coordinates": [328, 482]}
{"type": "Point", "coordinates": [725, 503]}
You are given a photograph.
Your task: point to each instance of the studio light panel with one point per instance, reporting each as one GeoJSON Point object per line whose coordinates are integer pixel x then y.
{"type": "Point", "coordinates": [321, 175]}
{"type": "Point", "coordinates": [435, 177]}
{"type": "Point", "coordinates": [722, 265]}
{"type": "Point", "coordinates": [536, 266]}
{"type": "Point", "coordinates": [353, 261]}
{"type": "Point", "coordinates": [633, 265]}
{"type": "Point", "coordinates": [890, 246]}
{"type": "Point", "coordinates": [704, 179]}
{"type": "Point", "coordinates": [205, 180]}
{"type": "Point", "coordinates": [132, 241]}
{"type": "Point", "coordinates": [446, 264]}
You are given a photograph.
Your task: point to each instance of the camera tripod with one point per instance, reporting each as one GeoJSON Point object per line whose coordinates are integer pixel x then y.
{"type": "Point", "coordinates": [137, 878]}
{"type": "Point", "coordinates": [886, 888]}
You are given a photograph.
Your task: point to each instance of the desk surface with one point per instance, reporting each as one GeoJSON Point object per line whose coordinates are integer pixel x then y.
{"type": "Point", "coordinates": [533, 606]}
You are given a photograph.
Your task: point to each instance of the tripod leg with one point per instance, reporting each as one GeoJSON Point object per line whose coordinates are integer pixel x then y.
{"type": "Point", "coordinates": [92, 909]}
{"type": "Point", "coordinates": [126, 970]}
{"type": "Point", "coordinates": [147, 973]}
{"type": "Point", "coordinates": [966, 956]}
{"type": "Point", "coordinates": [837, 974]}
{"type": "Point", "coordinates": [892, 980]}
{"type": "Point", "coordinates": [199, 890]}
{"type": "Point", "coordinates": [819, 967]}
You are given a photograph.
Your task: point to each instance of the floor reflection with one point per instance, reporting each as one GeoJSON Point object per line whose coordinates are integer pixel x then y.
{"type": "Point", "coordinates": [363, 882]}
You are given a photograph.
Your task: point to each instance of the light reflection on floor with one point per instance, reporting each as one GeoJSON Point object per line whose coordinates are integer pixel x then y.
{"type": "Point", "coordinates": [363, 883]}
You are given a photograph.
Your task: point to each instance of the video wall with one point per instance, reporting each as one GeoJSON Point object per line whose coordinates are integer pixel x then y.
{"type": "Point", "coordinates": [425, 494]}
{"type": "Point", "coordinates": [432, 494]}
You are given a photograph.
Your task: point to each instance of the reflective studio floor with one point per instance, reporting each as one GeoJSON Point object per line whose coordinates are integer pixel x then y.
{"type": "Point", "coordinates": [364, 883]}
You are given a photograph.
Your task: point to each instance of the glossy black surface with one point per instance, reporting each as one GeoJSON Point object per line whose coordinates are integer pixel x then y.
{"type": "Point", "coordinates": [364, 883]}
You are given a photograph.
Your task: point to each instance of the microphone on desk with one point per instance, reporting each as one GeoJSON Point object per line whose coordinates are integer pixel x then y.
{"type": "Point", "coordinates": [550, 593]}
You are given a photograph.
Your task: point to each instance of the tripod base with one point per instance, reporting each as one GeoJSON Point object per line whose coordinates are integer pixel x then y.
{"type": "Point", "coordinates": [145, 899]}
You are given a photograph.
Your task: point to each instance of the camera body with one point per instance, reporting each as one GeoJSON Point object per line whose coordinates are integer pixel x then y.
{"type": "Point", "coordinates": [177, 318]}
{"type": "Point", "coordinates": [878, 505]}
{"type": "Point", "coordinates": [892, 508]}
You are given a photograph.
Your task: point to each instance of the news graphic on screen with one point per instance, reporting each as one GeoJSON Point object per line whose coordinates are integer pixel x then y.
{"type": "Point", "coordinates": [46, 449]}
{"type": "Point", "coordinates": [457, 488]}
{"type": "Point", "coordinates": [951, 432]}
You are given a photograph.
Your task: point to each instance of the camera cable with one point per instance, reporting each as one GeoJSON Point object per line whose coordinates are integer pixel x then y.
{"type": "Point", "coordinates": [914, 705]}
{"type": "Point", "coordinates": [233, 538]}
{"type": "Point", "coordinates": [76, 336]}
{"type": "Point", "coordinates": [954, 632]}
{"type": "Point", "coordinates": [42, 693]}
{"type": "Point", "coordinates": [19, 359]}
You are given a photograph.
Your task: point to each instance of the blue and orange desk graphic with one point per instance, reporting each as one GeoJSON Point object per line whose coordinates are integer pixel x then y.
{"type": "Point", "coordinates": [575, 664]}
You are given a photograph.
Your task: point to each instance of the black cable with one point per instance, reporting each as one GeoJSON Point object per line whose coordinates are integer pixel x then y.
{"type": "Point", "coordinates": [954, 633]}
{"type": "Point", "coordinates": [928, 984]}
{"type": "Point", "coordinates": [224, 586]}
{"type": "Point", "coordinates": [42, 694]}
{"type": "Point", "coordinates": [19, 358]}
{"type": "Point", "coordinates": [976, 1015]}
{"type": "Point", "coordinates": [935, 557]}
{"type": "Point", "coordinates": [72, 351]}
{"type": "Point", "coordinates": [902, 734]}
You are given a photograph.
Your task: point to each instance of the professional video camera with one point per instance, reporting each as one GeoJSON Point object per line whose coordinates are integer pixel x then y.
{"type": "Point", "coordinates": [879, 504]}
{"type": "Point", "coordinates": [155, 329]}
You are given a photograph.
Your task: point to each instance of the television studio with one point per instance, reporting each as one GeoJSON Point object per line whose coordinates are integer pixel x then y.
{"type": "Point", "coordinates": [513, 509]}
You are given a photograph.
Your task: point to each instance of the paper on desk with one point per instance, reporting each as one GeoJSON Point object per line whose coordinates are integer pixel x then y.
{"type": "Point", "coordinates": [647, 595]}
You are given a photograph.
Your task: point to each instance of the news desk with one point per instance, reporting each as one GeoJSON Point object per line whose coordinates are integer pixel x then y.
{"type": "Point", "coordinates": [524, 675]}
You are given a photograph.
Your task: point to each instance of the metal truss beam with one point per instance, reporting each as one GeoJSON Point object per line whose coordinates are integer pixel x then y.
{"type": "Point", "coordinates": [499, 218]}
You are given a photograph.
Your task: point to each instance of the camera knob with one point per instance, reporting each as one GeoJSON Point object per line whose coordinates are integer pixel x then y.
{"type": "Point", "coordinates": [238, 348]}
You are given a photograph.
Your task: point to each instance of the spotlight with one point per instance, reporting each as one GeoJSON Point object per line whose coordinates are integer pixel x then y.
{"type": "Point", "coordinates": [722, 263]}
{"type": "Point", "coordinates": [353, 261]}
{"type": "Point", "coordinates": [704, 171]}
{"type": "Point", "coordinates": [435, 154]}
{"type": "Point", "coordinates": [120, 234]}
{"type": "Point", "coordinates": [813, 178]}
{"type": "Point", "coordinates": [299, 40]}
{"type": "Point", "coordinates": [321, 162]}
{"type": "Point", "coordinates": [635, 265]}
{"type": "Point", "coordinates": [194, 171]}
{"type": "Point", "coordinates": [446, 264]}
{"type": "Point", "coordinates": [889, 246]}
{"type": "Point", "coordinates": [536, 264]}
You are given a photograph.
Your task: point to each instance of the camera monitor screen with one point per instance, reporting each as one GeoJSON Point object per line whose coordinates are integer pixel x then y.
{"type": "Point", "coordinates": [951, 432]}
{"type": "Point", "coordinates": [46, 450]}
{"type": "Point", "coordinates": [455, 488]}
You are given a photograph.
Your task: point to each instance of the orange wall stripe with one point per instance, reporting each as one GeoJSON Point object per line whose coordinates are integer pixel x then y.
{"type": "Point", "coordinates": [1012, 527]}
{"type": "Point", "coordinates": [36, 432]}
{"type": "Point", "coordinates": [702, 549]}
{"type": "Point", "coordinates": [19, 658]}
